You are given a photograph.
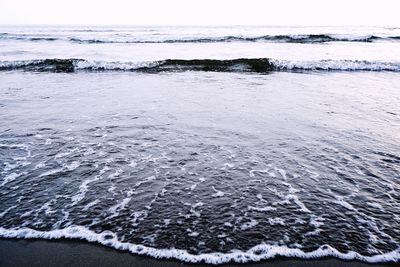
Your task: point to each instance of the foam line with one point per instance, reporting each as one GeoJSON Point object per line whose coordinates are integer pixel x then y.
{"type": "Point", "coordinates": [257, 253]}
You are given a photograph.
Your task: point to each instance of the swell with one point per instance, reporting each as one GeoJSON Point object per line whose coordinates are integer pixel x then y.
{"type": "Point", "coordinates": [23, 37]}
{"type": "Point", "coordinates": [308, 38]}
{"type": "Point", "coordinates": [257, 253]}
{"type": "Point", "coordinates": [256, 65]}
{"type": "Point", "coordinates": [300, 38]}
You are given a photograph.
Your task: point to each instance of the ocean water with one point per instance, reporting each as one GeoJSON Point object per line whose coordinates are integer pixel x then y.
{"type": "Point", "coordinates": [203, 144]}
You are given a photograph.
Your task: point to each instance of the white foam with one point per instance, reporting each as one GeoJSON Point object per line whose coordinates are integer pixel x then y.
{"type": "Point", "coordinates": [120, 206]}
{"type": "Point", "coordinates": [193, 208]}
{"type": "Point", "coordinates": [133, 164]}
{"type": "Point", "coordinates": [84, 187]}
{"type": "Point", "coordinates": [256, 253]}
{"type": "Point", "coordinates": [9, 167]}
{"type": "Point", "coordinates": [46, 207]}
{"type": "Point", "coordinates": [262, 209]}
{"type": "Point", "coordinates": [317, 221]}
{"type": "Point", "coordinates": [282, 173]}
{"type": "Point", "coordinates": [192, 187]}
{"type": "Point", "coordinates": [217, 193]}
{"type": "Point", "coordinates": [91, 204]}
{"type": "Point", "coordinates": [9, 178]}
{"type": "Point", "coordinates": [252, 173]}
{"type": "Point", "coordinates": [342, 202]}
{"type": "Point", "coordinates": [227, 166]}
{"type": "Point", "coordinates": [117, 173]}
{"type": "Point", "coordinates": [145, 180]}
{"type": "Point", "coordinates": [6, 211]}
{"type": "Point", "coordinates": [223, 235]}
{"type": "Point", "coordinates": [248, 225]}
{"type": "Point", "coordinates": [296, 200]}
{"type": "Point", "coordinates": [111, 189]}
{"type": "Point", "coordinates": [320, 65]}
{"type": "Point", "coordinates": [373, 225]}
{"type": "Point", "coordinates": [51, 172]}
{"type": "Point", "coordinates": [375, 205]}
{"type": "Point", "coordinates": [193, 234]}
{"type": "Point", "coordinates": [64, 154]}
{"type": "Point", "coordinates": [39, 165]}
{"type": "Point", "coordinates": [338, 65]}
{"type": "Point", "coordinates": [108, 65]}
{"type": "Point", "coordinates": [163, 191]}
{"type": "Point", "coordinates": [291, 189]}
{"type": "Point", "coordinates": [72, 166]}
{"type": "Point", "coordinates": [316, 231]}
{"type": "Point", "coordinates": [276, 220]}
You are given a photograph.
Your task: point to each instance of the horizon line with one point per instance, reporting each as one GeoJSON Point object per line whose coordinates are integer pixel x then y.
{"type": "Point", "coordinates": [193, 25]}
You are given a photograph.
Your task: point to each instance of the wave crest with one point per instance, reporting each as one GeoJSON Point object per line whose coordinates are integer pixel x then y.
{"type": "Point", "coordinates": [257, 65]}
{"type": "Point", "coordinates": [301, 38]}
{"type": "Point", "coordinates": [282, 38]}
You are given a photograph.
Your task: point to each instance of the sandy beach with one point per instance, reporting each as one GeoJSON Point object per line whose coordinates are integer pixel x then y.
{"type": "Point", "coordinates": [76, 253]}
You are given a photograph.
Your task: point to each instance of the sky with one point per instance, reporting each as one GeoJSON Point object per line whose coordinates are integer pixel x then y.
{"type": "Point", "coordinates": [201, 12]}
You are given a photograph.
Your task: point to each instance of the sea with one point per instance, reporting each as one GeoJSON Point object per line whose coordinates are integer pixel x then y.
{"type": "Point", "coordinates": [203, 144]}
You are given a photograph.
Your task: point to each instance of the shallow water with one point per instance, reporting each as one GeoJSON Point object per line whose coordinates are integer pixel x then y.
{"type": "Point", "coordinates": [204, 162]}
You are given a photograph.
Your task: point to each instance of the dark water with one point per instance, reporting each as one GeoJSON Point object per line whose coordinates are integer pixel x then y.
{"type": "Point", "coordinates": [203, 165]}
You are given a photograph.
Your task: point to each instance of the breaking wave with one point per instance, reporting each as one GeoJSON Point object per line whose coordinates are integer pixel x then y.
{"type": "Point", "coordinates": [284, 38]}
{"type": "Point", "coordinates": [257, 253]}
{"type": "Point", "coordinates": [306, 38]}
{"type": "Point", "coordinates": [258, 65]}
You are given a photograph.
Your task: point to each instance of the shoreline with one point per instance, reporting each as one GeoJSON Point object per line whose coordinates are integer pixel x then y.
{"type": "Point", "coordinates": [65, 252]}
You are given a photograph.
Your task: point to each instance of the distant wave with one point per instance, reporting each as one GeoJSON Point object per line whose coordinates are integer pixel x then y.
{"type": "Point", "coordinates": [6, 36]}
{"type": "Point", "coordinates": [258, 65]}
{"type": "Point", "coordinates": [302, 38]}
{"type": "Point", "coordinates": [308, 38]}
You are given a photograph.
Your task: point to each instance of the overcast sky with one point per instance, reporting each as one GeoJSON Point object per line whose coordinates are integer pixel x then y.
{"type": "Point", "coordinates": [201, 12]}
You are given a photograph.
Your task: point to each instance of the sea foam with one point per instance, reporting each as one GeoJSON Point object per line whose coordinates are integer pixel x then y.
{"type": "Point", "coordinates": [256, 253]}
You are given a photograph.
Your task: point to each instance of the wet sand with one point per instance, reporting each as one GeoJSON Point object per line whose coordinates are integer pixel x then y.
{"type": "Point", "coordinates": [76, 253]}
